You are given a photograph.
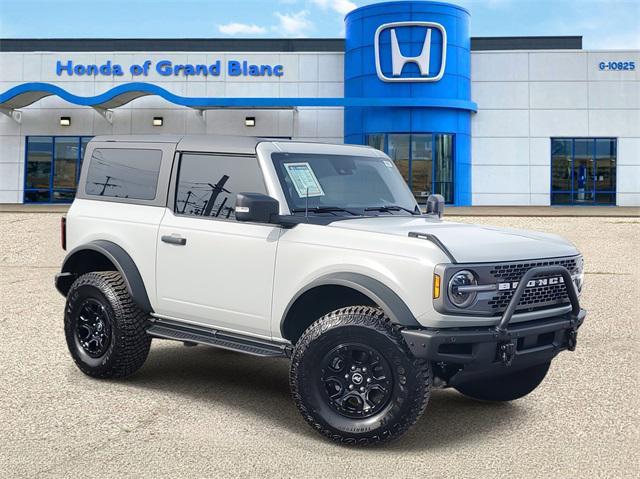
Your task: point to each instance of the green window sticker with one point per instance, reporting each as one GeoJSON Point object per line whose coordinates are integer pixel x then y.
{"type": "Point", "coordinates": [304, 179]}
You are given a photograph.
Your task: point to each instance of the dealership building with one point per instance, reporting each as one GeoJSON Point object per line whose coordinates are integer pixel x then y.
{"type": "Point", "coordinates": [482, 121]}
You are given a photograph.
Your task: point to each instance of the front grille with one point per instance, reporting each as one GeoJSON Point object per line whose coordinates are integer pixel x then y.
{"type": "Point", "coordinates": [536, 297]}
{"type": "Point", "coordinates": [515, 271]}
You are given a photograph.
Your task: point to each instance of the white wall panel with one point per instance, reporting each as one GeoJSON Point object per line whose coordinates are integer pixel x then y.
{"type": "Point", "coordinates": [330, 122]}
{"type": "Point", "coordinates": [559, 95]}
{"type": "Point", "coordinates": [196, 89]}
{"type": "Point", "coordinates": [557, 66]}
{"type": "Point", "coordinates": [123, 119]}
{"type": "Point", "coordinates": [540, 151]}
{"type": "Point", "coordinates": [11, 66]}
{"type": "Point", "coordinates": [331, 89]}
{"type": "Point", "coordinates": [10, 196]}
{"type": "Point", "coordinates": [512, 179]}
{"type": "Point", "coordinates": [9, 148]}
{"type": "Point", "coordinates": [250, 90]}
{"type": "Point", "coordinates": [552, 123]}
{"type": "Point", "coordinates": [499, 66]}
{"type": "Point", "coordinates": [614, 123]}
{"type": "Point", "coordinates": [10, 178]}
{"type": "Point", "coordinates": [500, 151]}
{"type": "Point", "coordinates": [614, 94]}
{"type": "Point", "coordinates": [307, 123]}
{"type": "Point", "coordinates": [500, 199]}
{"type": "Point", "coordinates": [288, 89]}
{"type": "Point", "coordinates": [308, 67]}
{"type": "Point", "coordinates": [628, 178]}
{"type": "Point", "coordinates": [31, 67]}
{"type": "Point", "coordinates": [330, 67]}
{"type": "Point", "coordinates": [500, 95]}
{"type": "Point", "coordinates": [499, 123]}
{"type": "Point", "coordinates": [540, 179]}
{"type": "Point", "coordinates": [628, 199]}
{"type": "Point", "coordinates": [628, 151]}
{"type": "Point", "coordinates": [540, 199]}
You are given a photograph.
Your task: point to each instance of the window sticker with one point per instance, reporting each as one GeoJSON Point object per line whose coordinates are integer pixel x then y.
{"type": "Point", "coordinates": [388, 164]}
{"type": "Point", "coordinates": [304, 179]}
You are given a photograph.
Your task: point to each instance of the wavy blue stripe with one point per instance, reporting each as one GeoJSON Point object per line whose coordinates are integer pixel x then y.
{"type": "Point", "coordinates": [121, 93]}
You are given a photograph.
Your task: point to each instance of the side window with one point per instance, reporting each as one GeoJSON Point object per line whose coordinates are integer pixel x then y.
{"type": "Point", "coordinates": [123, 173]}
{"type": "Point", "coordinates": [208, 184]}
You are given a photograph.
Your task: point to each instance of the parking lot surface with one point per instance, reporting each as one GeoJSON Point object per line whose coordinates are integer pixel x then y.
{"type": "Point", "coordinates": [204, 412]}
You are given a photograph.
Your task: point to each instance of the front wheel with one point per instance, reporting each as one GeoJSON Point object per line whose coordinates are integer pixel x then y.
{"type": "Point", "coordinates": [354, 379]}
{"type": "Point", "coordinates": [507, 387]}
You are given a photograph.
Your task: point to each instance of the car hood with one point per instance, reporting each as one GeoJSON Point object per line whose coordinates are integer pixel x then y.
{"type": "Point", "coordinates": [470, 243]}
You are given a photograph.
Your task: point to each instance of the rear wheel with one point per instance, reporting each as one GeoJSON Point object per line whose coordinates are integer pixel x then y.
{"type": "Point", "coordinates": [104, 328]}
{"type": "Point", "coordinates": [354, 380]}
{"type": "Point", "coordinates": [506, 387]}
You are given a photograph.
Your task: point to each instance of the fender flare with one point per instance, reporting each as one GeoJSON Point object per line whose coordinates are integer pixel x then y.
{"type": "Point", "coordinates": [393, 306]}
{"type": "Point", "coordinates": [123, 263]}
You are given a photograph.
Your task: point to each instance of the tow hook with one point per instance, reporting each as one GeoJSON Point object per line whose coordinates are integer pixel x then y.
{"type": "Point", "coordinates": [572, 339]}
{"type": "Point", "coordinates": [506, 352]}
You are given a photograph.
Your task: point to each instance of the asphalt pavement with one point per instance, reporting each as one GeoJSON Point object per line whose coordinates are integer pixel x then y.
{"type": "Point", "coordinates": [204, 412]}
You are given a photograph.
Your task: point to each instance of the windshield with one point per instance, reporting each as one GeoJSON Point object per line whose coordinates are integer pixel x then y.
{"type": "Point", "coordinates": [343, 184]}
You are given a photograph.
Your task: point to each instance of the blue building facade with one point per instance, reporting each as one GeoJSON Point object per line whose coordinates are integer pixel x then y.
{"type": "Point", "coordinates": [441, 117]}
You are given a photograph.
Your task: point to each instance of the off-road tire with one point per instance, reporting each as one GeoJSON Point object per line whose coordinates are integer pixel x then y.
{"type": "Point", "coordinates": [506, 387]}
{"type": "Point", "coordinates": [411, 378]}
{"type": "Point", "coordinates": [129, 343]}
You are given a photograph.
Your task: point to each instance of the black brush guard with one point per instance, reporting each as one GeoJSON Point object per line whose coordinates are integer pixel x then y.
{"type": "Point", "coordinates": [530, 342]}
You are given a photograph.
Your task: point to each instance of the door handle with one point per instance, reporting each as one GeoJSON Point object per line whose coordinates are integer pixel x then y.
{"type": "Point", "coordinates": [174, 239]}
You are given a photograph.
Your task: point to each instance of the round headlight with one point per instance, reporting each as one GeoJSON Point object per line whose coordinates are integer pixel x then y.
{"type": "Point", "coordinates": [462, 299]}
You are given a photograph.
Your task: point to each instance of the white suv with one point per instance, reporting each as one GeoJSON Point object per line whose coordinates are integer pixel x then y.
{"type": "Point", "coordinates": [314, 252]}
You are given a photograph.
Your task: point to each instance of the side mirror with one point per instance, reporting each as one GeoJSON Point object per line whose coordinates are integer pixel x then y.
{"type": "Point", "coordinates": [435, 205]}
{"type": "Point", "coordinates": [256, 208]}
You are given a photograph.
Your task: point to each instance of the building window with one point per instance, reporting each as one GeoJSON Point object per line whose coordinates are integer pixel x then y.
{"type": "Point", "coordinates": [52, 168]}
{"type": "Point", "coordinates": [583, 171]}
{"type": "Point", "coordinates": [425, 160]}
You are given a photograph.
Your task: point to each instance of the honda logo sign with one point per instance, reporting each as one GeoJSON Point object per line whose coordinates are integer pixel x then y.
{"type": "Point", "coordinates": [399, 61]}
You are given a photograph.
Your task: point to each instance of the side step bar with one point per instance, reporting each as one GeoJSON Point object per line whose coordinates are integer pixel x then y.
{"type": "Point", "coordinates": [165, 329]}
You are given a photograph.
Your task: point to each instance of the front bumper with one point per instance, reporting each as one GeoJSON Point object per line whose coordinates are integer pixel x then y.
{"type": "Point", "coordinates": [478, 350]}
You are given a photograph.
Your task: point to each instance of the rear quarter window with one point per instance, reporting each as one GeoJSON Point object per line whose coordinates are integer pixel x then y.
{"type": "Point", "coordinates": [124, 173]}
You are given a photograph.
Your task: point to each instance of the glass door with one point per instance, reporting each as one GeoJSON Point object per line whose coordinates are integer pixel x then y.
{"type": "Point", "coordinates": [583, 171]}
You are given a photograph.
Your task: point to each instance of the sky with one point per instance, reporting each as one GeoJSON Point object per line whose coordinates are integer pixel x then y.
{"type": "Point", "coordinates": [604, 24]}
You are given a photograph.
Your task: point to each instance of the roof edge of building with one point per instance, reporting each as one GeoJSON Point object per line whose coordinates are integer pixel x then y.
{"type": "Point", "coordinates": [17, 45]}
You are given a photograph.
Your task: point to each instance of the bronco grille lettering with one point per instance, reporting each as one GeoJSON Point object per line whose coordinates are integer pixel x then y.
{"type": "Point", "coordinates": [531, 284]}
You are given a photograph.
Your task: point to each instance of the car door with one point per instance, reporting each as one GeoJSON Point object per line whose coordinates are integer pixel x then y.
{"type": "Point", "coordinates": [212, 269]}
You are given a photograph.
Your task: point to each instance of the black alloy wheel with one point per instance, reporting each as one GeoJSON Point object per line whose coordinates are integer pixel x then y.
{"type": "Point", "coordinates": [93, 328]}
{"type": "Point", "coordinates": [357, 379]}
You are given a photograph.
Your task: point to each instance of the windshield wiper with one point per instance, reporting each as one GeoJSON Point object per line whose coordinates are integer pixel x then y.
{"type": "Point", "coordinates": [387, 208]}
{"type": "Point", "coordinates": [324, 209]}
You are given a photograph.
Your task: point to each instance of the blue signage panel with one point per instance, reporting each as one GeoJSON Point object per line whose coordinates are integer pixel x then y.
{"type": "Point", "coordinates": [234, 68]}
{"type": "Point", "coordinates": [412, 51]}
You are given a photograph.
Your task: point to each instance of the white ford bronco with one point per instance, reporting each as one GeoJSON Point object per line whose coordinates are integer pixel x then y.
{"type": "Point", "coordinates": [313, 252]}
